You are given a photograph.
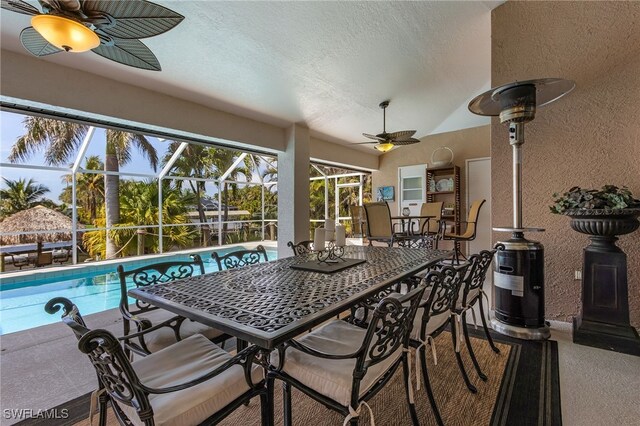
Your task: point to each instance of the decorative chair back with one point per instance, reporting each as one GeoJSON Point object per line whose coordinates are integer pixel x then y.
{"type": "Point", "coordinates": [240, 258]}
{"type": "Point", "coordinates": [389, 329]}
{"type": "Point", "coordinates": [303, 247]}
{"type": "Point", "coordinates": [472, 219]}
{"type": "Point", "coordinates": [156, 273]}
{"type": "Point", "coordinates": [477, 272]}
{"type": "Point", "coordinates": [115, 373]}
{"type": "Point", "coordinates": [443, 286]}
{"type": "Point", "coordinates": [378, 220]}
{"type": "Point", "coordinates": [431, 209]}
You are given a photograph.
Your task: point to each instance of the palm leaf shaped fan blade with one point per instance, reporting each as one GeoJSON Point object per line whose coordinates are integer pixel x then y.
{"type": "Point", "coordinates": [133, 19]}
{"type": "Point", "coordinates": [374, 137]}
{"type": "Point", "coordinates": [19, 6]}
{"type": "Point", "coordinates": [36, 44]}
{"type": "Point", "coordinates": [133, 53]}
{"type": "Point", "coordinates": [402, 135]}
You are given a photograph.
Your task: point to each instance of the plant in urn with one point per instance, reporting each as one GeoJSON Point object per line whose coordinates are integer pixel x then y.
{"type": "Point", "coordinates": [603, 215]}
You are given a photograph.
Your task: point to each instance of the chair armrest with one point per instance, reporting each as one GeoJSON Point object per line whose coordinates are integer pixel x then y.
{"type": "Point", "coordinates": [145, 326]}
{"type": "Point", "coordinates": [244, 358]}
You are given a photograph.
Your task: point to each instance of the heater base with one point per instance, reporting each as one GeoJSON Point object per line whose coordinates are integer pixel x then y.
{"type": "Point", "coordinates": [525, 333]}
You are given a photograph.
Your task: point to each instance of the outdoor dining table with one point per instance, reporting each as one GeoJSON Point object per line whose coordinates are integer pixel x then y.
{"type": "Point", "coordinates": [267, 304]}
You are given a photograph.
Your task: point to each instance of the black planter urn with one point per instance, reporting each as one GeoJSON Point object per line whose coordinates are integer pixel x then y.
{"type": "Point", "coordinates": [604, 320]}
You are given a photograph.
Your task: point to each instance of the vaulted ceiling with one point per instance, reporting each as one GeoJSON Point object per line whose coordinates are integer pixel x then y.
{"type": "Point", "coordinates": [325, 64]}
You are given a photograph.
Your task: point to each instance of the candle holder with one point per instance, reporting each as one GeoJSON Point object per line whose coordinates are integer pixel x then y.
{"type": "Point", "coordinates": [331, 253]}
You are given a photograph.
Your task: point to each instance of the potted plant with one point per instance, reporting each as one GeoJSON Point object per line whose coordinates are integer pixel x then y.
{"type": "Point", "coordinates": [603, 215]}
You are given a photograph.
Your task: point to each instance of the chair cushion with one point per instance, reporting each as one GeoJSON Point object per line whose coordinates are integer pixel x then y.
{"type": "Point", "coordinates": [165, 336]}
{"type": "Point", "coordinates": [180, 363]}
{"type": "Point", "coordinates": [472, 295]}
{"type": "Point", "coordinates": [329, 377]}
{"type": "Point", "coordinates": [435, 322]}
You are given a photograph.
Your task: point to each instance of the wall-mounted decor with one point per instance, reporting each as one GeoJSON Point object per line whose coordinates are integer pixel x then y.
{"type": "Point", "coordinates": [385, 193]}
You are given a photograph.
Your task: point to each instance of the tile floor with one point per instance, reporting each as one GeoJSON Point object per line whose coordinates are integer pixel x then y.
{"type": "Point", "coordinates": [40, 369]}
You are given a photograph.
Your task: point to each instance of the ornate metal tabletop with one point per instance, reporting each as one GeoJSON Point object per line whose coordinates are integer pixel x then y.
{"type": "Point", "coordinates": [269, 303]}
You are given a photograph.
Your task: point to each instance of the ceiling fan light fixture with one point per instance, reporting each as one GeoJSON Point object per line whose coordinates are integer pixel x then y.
{"type": "Point", "coordinates": [64, 33]}
{"type": "Point", "coordinates": [384, 147]}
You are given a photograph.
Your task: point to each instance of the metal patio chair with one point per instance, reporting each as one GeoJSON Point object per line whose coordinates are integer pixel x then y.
{"type": "Point", "coordinates": [434, 315]}
{"type": "Point", "coordinates": [303, 247]}
{"type": "Point", "coordinates": [342, 365]}
{"type": "Point", "coordinates": [470, 295]}
{"type": "Point", "coordinates": [379, 226]}
{"type": "Point", "coordinates": [189, 383]}
{"type": "Point", "coordinates": [470, 231]}
{"type": "Point", "coordinates": [168, 328]}
{"type": "Point", "coordinates": [240, 258]}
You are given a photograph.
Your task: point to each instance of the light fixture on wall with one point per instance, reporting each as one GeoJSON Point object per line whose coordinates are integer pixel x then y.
{"type": "Point", "coordinates": [65, 33]}
{"type": "Point", "coordinates": [518, 276]}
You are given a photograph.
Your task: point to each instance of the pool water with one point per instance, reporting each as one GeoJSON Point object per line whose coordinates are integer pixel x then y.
{"type": "Point", "coordinates": [22, 303]}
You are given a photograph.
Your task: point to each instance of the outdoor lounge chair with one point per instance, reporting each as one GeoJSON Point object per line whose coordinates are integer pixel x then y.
{"type": "Point", "coordinates": [61, 256]}
{"type": "Point", "coordinates": [19, 260]}
{"type": "Point", "coordinates": [191, 382]}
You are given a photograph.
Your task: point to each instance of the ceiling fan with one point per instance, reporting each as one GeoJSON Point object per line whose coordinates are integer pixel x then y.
{"type": "Point", "coordinates": [387, 141]}
{"type": "Point", "coordinates": [111, 29]}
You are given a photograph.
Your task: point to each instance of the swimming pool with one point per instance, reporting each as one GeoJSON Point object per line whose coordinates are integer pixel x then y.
{"type": "Point", "coordinates": [22, 301]}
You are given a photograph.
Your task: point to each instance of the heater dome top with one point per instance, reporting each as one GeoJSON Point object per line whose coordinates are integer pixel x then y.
{"type": "Point", "coordinates": [492, 102]}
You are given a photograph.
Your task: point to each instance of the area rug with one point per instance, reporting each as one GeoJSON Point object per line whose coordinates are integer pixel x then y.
{"type": "Point", "coordinates": [522, 389]}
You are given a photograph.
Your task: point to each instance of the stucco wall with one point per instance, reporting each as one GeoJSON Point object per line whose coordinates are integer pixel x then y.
{"type": "Point", "coordinates": [341, 155]}
{"type": "Point", "coordinates": [590, 138]}
{"type": "Point", "coordinates": [467, 143]}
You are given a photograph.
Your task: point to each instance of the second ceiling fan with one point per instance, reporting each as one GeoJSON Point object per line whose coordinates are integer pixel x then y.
{"type": "Point", "coordinates": [386, 141]}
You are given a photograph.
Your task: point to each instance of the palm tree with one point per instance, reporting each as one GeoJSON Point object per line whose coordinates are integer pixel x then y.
{"type": "Point", "coordinates": [139, 207]}
{"type": "Point", "coordinates": [20, 195]}
{"type": "Point", "coordinates": [223, 159]}
{"type": "Point", "coordinates": [89, 189]}
{"type": "Point", "coordinates": [195, 161]}
{"type": "Point", "coordinates": [60, 140]}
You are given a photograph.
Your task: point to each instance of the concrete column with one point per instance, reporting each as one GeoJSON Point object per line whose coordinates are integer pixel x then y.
{"type": "Point", "coordinates": [293, 189]}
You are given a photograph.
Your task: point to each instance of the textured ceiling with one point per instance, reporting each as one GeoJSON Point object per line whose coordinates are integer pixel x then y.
{"type": "Point", "coordinates": [325, 64]}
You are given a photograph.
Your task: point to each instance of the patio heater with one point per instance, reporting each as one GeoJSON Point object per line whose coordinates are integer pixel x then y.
{"type": "Point", "coordinates": [518, 276]}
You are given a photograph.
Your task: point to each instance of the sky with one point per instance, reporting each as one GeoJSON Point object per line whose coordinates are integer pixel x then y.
{"type": "Point", "coordinates": [11, 128]}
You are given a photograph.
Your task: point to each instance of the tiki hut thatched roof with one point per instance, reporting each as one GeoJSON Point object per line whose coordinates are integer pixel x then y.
{"type": "Point", "coordinates": [37, 218]}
